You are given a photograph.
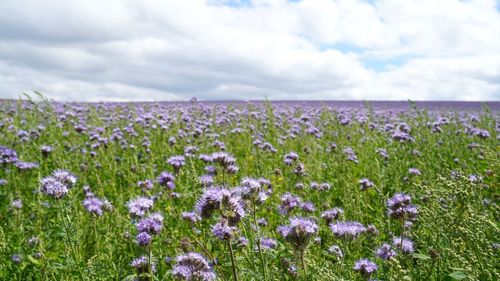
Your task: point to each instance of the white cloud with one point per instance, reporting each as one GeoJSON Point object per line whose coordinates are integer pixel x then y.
{"type": "Point", "coordinates": [173, 50]}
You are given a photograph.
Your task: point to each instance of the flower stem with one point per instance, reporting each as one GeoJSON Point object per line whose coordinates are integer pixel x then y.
{"type": "Point", "coordinates": [302, 261]}
{"type": "Point", "coordinates": [233, 262]}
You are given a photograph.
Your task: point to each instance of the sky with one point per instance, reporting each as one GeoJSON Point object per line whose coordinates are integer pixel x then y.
{"type": "Point", "coordinates": [171, 50]}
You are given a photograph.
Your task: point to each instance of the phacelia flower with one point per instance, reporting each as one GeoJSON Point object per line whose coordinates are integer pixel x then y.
{"type": "Point", "coordinates": [365, 267]}
{"type": "Point", "coordinates": [347, 229]}
{"type": "Point", "coordinates": [299, 232]}
{"type": "Point", "coordinates": [192, 267]}
{"type": "Point", "coordinates": [139, 206]}
{"type": "Point", "coordinates": [399, 206]}
{"type": "Point", "coordinates": [385, 252]}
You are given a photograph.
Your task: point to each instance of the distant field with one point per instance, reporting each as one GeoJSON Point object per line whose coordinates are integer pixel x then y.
{"type": "Point", "coordinates": [249, 191]}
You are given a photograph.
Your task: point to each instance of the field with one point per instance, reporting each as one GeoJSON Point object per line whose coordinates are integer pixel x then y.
{"type": "Point", "coordinates": [248, 191]}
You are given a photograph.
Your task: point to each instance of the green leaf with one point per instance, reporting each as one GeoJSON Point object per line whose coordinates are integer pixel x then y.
{"type": "Point", "coordinates": [457, 275]}
{"type": "Point", "coordinates": [33, 260]}
{"type": "Point", "coordinates": [421, 256]}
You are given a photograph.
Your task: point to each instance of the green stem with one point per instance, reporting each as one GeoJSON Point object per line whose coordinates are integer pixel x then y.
{"type": "Point", "coordinates": [233, 262]}
{"type": "Point", "coordinates": [262, 260]}
{"type": "Point", "coordinates": [303, 262]}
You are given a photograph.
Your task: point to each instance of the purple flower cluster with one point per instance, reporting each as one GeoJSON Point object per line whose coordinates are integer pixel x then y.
{"type": "Point", "coordinates": [288, 203]}
{"type": "Point", "coordinates": [192, 267]}
{"type": "Point", "coordinates": [139, 206]}
{"type": "Point", "coordinates": [399, 206]}
{"type": "Point", "coordinates": [166, 179]}
{"type": "Point", "coordinates": [365, 267]}
{"type": "Point", "coordinates": [58, 184]}
{"type": "Point", "coordinates": [147, 227]}
{"type": "Point", "coordinates": [348, 230]}
{"type": "Point", "coordinates": [299, 232]}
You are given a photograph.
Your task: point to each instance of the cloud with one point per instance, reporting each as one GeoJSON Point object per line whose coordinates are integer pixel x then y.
{"type": "Point", "coordinates": [218, 49]}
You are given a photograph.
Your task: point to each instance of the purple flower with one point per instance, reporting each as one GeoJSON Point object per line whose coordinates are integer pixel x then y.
{"type": "Point", "coordinates": [191, 217]}
{"type": "Point", "coordinates": [93, 205]}
{"type": "Point", "coordinates": [365, 267]}
{"type": "Point", "coordinates": [332, 214]}
{"type": "Point", "coordinates": [288, 203]}
{"type": "Point", "coordinates": [151, 224]}
{"type": "Point", "coordinates": [177, 162]}
{"type": "Point", "coordinates": [143, 238]}
{"type": "Point", "coordinates": [191, 267]}
{"type": "Point", "coordinates": [398, 206]}
{"type": "Point", "coordinates": [139, 206]}
{"type": "Point", "coordinates": [223, 231]}
{"type": "Point", "coordinates": [365, 183]}
{"type": "Point", "coordinates": [268, 243]}
{"type": "Point", "coordinates": [299, 232]}
{"type": "Point", "coordinates": [26, 165]}
{"type": "Point", "coordinates": [54, 188]}
{"type": "Point", "coordinates": [65, 177]}
{"type": "Point", "coordinates": [141, 264]}
{"type": "Point", "coordinates": [407, 245]}
{"type": "Point", "coordinates": [414, 172]}
{"type": "Point", "coordinates": [385, 252]}
{"type": "Point", "coordinates": [307, 207]}
{"type": "Point", "coordinates": [17, 203]}
{"type": "Point", "coordinates": [347, 229]}
{"type": "Point", "coordinates": [7, 155]}
{"type": "Point", "coordinates": [166, 179]}
{"type": "Point", "coordinates": [206, 180]}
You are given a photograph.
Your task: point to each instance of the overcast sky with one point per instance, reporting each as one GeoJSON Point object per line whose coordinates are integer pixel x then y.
{"type": "Point", "coordinates": [95, 50]}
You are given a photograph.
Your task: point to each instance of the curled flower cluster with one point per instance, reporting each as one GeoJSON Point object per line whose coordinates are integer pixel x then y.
{"type": "Point", "coordinates": [58, 184]}
{"type": "Point", "coordinates": [139, 206]}
{"type": "Point", "coordinates": [365, 267]}
{"type": "Point", "coordinates": [299, 232]}
{"type": "Point", "coordinates": [399, 206]}
{"type": "Point", "coordinates": [347, 229]}
{"type": "Point", "coordinates": [192, 267]}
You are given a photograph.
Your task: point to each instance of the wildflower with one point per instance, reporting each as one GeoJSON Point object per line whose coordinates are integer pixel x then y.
{"type": "Point", "coordinates": [268, 243]}
{"type": "Point", "coordinates": [52, 187]}
{"type": "Point", "coordinates": [299, 232]}
{"type": "Point", "coordinates": [365, 267]}
{"type": "Point", "coordinates": [385, 252]}
{"type": "Point", "coordinates": [17, 203]}
{"type": "Point", "coordinates": [151, 224]}
{"type": "Point", "coordinates": [139, 206]}
{"type": "Point", "coordinates": [166, 179]}
{"type": "Point", "coordinates": [347, 229]}
{"type": "Point", "coordinates": [365, 183]}
{"type": "Point", "coordinates": [7, 155]}
{"type": "Point", "coordinates": [405, 244]}
{"type": "Point", "coordinates": [141, 264]}
{"type": "Point", "coordinates": [398, 206]}
{"type": "Point", "coordinates": [414, 172]}
{"type": "Point", "coordinates": [177, 162]}
{"type": "Point", "coordinates": [143, 238]}
{"type": "Point", "coordinates": [288, 203]}
{"type": "Point", "coordinates": [192, 266]}
{"type": "Point", "coordinates": [190, 216]}
{"type": "Point", "coordinates": [65, 177]}
{"type": "Point", "coordinates": [93, 205]}
{"type": "Point", "coordinates": [223, 231]}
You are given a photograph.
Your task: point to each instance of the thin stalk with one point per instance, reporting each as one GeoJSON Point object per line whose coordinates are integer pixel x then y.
{"type": "Point", "coordinates": [150, 262]}
{"type": "Point", "coordinates": [302, 261]}
{"type": "Point", "coordinates": [262, 260]}
{"type": "Point", "coordinates": [233, 262]}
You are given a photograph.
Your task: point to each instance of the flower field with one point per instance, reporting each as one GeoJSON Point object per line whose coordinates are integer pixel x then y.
{"type": "Point", "coordinates": [248, 191]}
